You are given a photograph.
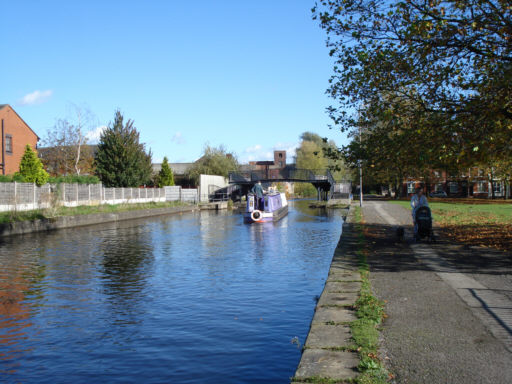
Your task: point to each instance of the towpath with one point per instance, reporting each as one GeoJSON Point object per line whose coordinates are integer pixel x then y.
{"type": "Point", "coordinates": [449, 306]}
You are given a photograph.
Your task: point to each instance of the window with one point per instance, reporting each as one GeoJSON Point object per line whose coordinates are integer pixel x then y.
{"type": "Point", "coordinates": [411, 187]}
{"type": "Point", "coordinates": [280, 155]}
{"type": "Point", "coordinates": [281, 164]}
{"type": "Point", "coordinates": [454, 187]}
{"type": "Point", "coordinates": [439, 187]}
{"type": "Point", "coordinates": [496, 185]}
{"type": "Point", "coordinates": [480, 187]}
{"type": "Point", "coordinates": [8, 144]}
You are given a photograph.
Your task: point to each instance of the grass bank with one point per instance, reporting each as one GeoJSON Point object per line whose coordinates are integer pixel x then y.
{"type": "Point", "coordinates": [370, 313]}
{"type": "Point", "coordinates": [14, 216]}
{"type": "Point", "coordinates": [488, 225]}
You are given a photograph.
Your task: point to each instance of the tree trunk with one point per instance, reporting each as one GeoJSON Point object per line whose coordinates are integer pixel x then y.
{"type": "Point", "coordinates": [491, 184]}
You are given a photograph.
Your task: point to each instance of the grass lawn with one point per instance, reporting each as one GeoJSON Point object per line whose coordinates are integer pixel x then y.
{"type": "Point", "coordinates": [8, 217]}
{"type": "Point", "coordinates": [475, 224]}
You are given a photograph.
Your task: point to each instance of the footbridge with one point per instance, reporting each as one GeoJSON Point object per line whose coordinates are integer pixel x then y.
{"type": "Point", "coordinates": [321, 179]}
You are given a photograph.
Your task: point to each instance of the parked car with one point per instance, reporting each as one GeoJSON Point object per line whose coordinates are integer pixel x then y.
{"type": "Point", "coordinates": [438, 194]}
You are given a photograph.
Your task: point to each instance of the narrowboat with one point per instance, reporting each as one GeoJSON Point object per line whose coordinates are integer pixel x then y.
{"type": "Point", "coordinates": [275, 207]}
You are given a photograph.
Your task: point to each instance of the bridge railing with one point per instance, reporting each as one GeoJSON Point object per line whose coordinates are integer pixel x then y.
{"type": "Point", "coordinates": [304, 175]}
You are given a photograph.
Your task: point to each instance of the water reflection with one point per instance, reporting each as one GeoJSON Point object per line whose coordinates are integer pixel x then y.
{"type": "Point", "coordinates": [194, 298]}
{"type": "Point", "coordinates": [19, 280]}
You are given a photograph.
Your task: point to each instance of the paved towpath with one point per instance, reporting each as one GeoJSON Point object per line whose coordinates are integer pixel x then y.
{"type": "Point", "coordinates": [449, 306]}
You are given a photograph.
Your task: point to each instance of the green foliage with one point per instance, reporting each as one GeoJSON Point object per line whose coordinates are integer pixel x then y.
{"type": "Point", "coordinates": [10, 178]}
{"type": "Point", "coordinates": [426, 82]}
{"type": "Point", "coordinates": [304, 190]}
{"type": "Point", "coordinates": [121, 160]}
{"type": "Point", "coordinates": [165, 176]}
{"type": "Point", "coordinates": [310, 156]}
{"type": "Point", "coordinates": [215, 161]}
{"type": "Point", "coordinates": [75, 179]}
{"type": "Point", "coordinates": [31, 168]}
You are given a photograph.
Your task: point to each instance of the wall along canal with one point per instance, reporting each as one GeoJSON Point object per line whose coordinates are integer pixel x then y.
{"type": "Point", "coordinates": [192, 298]}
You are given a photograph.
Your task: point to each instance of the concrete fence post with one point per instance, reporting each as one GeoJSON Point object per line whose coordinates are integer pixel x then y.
{"type": "Point", "coordinates": [34, 195]}
{"type": "Point", "coordinates": [15, 197]}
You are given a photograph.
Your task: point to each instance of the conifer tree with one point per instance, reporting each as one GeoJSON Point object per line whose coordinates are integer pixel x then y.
{"type": "Point", "coordinates": [121, 160]}
{"type": "Point", "coordinates": [31, 168]}
{"type": "Point", "coordinates": [165, 176]}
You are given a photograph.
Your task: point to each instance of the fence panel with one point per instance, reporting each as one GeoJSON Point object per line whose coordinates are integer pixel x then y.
{"type": "Point", "coordinates": [28, 196]}
{"type": "Point", "coordinates": [7, 196]}
{"type": "Point", "coordinates": [172, 193]}
{"type": "Point", "coordinates": [189, 195]}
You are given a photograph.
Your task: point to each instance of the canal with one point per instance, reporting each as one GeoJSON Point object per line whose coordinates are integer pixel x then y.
{"type": "Point", "coordinates": [192, 298]}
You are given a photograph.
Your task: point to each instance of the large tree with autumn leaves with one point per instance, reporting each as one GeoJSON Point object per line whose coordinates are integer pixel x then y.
{"type": "Point", "coordinates": [431, 79]}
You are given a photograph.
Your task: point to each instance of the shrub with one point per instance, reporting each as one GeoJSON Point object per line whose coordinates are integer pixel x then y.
{"type": "Point", "coordinates": [31, 168]}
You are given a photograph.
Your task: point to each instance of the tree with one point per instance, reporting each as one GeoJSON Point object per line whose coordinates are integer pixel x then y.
{"type": "Point", "coordinates": [165, 176]}
{"type": "Point", "coordinates": [447, 64]}
{"type": "Point", "coordinates": [215, 161]}
{"type": "Point", "coordinates": [65, 148]}
{"type": "Point", "coordinates": [121, 160]}
{"type": "Point", "coordinates": [31, 168]}
{"type": "Point", "coordinates": [309, 156]}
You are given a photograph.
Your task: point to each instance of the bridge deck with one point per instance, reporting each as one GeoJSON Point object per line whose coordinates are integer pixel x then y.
{"type": "Point", "coordinates": [282, 175]}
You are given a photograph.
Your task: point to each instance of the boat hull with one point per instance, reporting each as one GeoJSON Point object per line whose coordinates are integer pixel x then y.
{"type": "Point", "coordinates": [266, 216]}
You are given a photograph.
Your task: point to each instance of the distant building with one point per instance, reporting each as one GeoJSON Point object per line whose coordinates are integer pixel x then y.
{"type": "Point", "coordinates": [270, 169]}
{"type": "Point", "coordinates": [473, 183]}
{"type": "Point", "coordinates": [15, 135]}
{"type": "Point", "coordinates": [178, 169]}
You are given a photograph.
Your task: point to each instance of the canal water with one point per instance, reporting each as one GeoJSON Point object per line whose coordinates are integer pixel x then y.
{"type": "Point", "coordinates": [191, 298]}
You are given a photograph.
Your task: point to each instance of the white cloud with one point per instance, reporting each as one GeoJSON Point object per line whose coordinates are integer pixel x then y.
{"type": "Point", "coordinates": [253, 149]}
{"type": "Point", "coordinates": [256, 153]}
{"type": "Point", "coordinates": [94, 135]}
{"type": "Point", "coordinates": [36, 97]}
{"type": "Point", "coordinates": [178, 138]}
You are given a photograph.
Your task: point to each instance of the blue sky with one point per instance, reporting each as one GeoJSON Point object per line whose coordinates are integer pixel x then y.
{"type": "Point", "coordinates": [248, 75]}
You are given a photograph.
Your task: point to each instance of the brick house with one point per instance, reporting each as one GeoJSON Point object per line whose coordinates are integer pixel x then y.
{"type": "Point", "coordinates": [473, 183]}
{"type": "Point", "coordinates": [15, 135]}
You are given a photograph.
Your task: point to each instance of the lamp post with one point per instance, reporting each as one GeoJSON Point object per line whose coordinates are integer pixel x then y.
{"type": "Point", "coordinates": [360, 174]}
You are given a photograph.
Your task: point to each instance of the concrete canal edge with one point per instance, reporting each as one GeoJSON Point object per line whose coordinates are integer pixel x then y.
{"type": "Point", "coordinates": [42, 225]}
{"type": "Point", "coordinates": [342, 343]}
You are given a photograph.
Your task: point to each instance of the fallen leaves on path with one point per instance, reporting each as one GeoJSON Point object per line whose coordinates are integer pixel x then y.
{"type": "Point", "coordinates": [485, 235]}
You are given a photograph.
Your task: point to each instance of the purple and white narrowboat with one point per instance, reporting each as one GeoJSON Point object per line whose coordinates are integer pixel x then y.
{"type": "Point", "coordinates": [275, 207]}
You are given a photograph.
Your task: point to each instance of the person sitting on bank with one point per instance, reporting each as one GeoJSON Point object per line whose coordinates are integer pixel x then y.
{"type": "Point", "coordinates": [257, 190]}
{"type": "Point", "coordinates": [417, 200]}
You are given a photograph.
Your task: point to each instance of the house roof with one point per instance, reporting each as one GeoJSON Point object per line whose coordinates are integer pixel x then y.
{"type": "Point", "coordinates": [7, 105]}
{"type": "Point", "coordinates": [177, 168]}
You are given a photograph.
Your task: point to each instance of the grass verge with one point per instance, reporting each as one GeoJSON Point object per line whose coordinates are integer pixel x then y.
{"type": "Point", "coordinates": [369, 312]}
{"type": "Point", "coordinates": [488, 225]}
{"type": "Point", "coordinates": [14, 216]}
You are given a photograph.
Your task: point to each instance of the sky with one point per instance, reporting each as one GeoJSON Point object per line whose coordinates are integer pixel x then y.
{"type": "Point", "coordinates": [248, 75]}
